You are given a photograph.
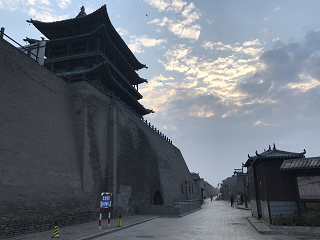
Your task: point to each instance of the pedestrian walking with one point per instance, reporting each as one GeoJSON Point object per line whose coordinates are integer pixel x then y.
{"type": "Point", "coordinates": [231, 200]}
{"type": "Point", "coordinates": [211, 196]}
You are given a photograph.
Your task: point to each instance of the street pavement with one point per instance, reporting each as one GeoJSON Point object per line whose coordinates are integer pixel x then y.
{"type": "Point", "coordinates": [216, 220]}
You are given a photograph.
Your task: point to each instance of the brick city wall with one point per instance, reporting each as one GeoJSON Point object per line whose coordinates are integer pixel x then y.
{"type": "Point", "coordinates": [63, 144]}
{"type": "Point", "coordinates": [39, 168]}
{"type": "Point", "coordinates": [133, 159]}
{"type": "Point", "coordinates": [147, 163]}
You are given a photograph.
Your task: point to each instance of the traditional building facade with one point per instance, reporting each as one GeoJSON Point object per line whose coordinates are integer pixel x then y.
{"type": "Point", "coordinates": [304, 173]}
{"type": "Point", "coordinates": [271, 191]}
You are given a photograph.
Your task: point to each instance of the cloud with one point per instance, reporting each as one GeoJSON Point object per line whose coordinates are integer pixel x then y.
{"type": "Point", "coordinates": [137, 42]}
{"type": "Point", "coordinates": [10, 5]}
{"type": "Point", "coordinates": [204, 77]}
{"type": "Point", "coordinates": [184, 26]}
{"type": "Point", "coordinates": [248, 47]}
{"type": "Point", "coordinates": [63, 3]}
{"type": "Point", "coordinates": [244, 81]}
{"type": "Point", "coordinates": [122, 31]}
{"type": "Point", "coordinates": [176, 5]}
{"type": "Point", "coordinates": [37, 2]}
{"type": "Point", "coordinates": [161, 5]}
{"type": "Point", "coordinates": [276, 9]}
{"type": "Point", "coordinates": [305, 86]}
{"type": "Point", "coordinates": [251, 43]}
{"type": "Point", "coordinates": [45, 16]}
{"type": "Point", "coordinates": [288, 70]}
{"type": "Point", "coordinates": [208, 45]}
{"type": "Point", "coordinates": [266, 32]}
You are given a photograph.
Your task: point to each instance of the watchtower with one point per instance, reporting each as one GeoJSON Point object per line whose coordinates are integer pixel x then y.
{"type": "Point", "coordinates": [88, 47]}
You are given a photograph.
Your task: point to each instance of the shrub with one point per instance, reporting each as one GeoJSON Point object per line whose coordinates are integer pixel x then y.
{"type": "Point", "coordinates": [310, 218]}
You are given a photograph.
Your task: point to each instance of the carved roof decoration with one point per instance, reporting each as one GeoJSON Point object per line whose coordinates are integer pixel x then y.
{"type": "Point", "coordinates": [86, 24]}
{"type": "Point", "coordinates": [103, 74]}
{"type": "Point", "coordinates": [102, 31]}
{"type": "Point", "coordinates": [82, 12]}
{"type": "Point", "coordinates": [273, 154]}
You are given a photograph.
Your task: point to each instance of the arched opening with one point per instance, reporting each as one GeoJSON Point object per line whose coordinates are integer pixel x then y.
{"type": "Point", "coordinates": [157, 200]}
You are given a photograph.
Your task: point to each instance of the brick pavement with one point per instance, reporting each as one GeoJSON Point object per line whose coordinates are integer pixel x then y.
{"type": "Point", "coordinates": [215, 221]}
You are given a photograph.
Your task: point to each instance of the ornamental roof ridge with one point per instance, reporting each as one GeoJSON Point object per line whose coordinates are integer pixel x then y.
{"type": "Point", "coordinates": [103, 7]}
{"type": "Point", "coordinates": [301, 163]}
{"type": "Point", "coordinates": [274, 154]}
{"type": "Point", "coordinates": [46, 28]}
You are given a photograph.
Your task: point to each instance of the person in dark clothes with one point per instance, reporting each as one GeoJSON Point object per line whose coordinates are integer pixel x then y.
{"type": "Point", "coordinates": [231, 200]}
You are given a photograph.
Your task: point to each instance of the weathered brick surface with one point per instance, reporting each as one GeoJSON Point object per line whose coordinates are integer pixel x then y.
{"type": "Point", "coordinates": [39, 167]}
{"type": "Point", "coordinates": [144, 161]}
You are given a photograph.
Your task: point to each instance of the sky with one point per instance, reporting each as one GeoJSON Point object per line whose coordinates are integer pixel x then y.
{"type": "Point", "coordinates": [225, 78]}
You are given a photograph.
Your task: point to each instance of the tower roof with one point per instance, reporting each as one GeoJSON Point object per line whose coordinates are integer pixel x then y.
{"type": "Point", "coordinates": [103, 73]}
{"type": "Point", "coordinates": [86, 24]}
{"type": "Point", "coordinates": [103, 32]}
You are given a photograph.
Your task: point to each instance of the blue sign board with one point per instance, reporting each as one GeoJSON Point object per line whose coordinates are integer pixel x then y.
{"type": "Point", "coordinates": [106, 201]}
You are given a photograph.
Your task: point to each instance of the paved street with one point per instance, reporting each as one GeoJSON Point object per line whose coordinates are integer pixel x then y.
{"type": "Point", "coordinates": [216, 220]}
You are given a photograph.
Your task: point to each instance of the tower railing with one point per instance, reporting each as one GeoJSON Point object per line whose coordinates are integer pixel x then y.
{"type": "Point", "coordinates": [33, 56]}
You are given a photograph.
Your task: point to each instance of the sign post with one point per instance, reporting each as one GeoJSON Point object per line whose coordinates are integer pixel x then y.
{"type": "Point", "coordinates": [105, 202]}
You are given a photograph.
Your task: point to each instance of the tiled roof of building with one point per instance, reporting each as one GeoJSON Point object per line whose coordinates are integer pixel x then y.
{"type": "Point", "coordinates": [102, 31]}
{"type": "Point", "coordinates": [127, 94]}
{"type": "Point", "coordinates": [195, 176]}
{"type": "Point", "coordinates": [273, 154]}
{"type": "Point", "coordinates": [302, 163]}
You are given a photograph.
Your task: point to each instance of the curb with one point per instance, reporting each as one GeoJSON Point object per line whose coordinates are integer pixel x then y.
{"type": "Point", "coordinates": [117, 229]}
{"type": "Point", "coordinates": [281, 232]}
{"type": "Point", "coordinates": [246, 209]}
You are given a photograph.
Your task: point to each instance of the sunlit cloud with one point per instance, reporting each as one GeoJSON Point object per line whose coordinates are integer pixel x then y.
{"type": "Point", "coordinates": [161, 5]}
{"type": "Point", "coordinates": [251, 43]}
{"type": "Point", "coordinates": [185, 27]}
{"type": "Point", "coordinates": [137, 42]}
{"type": "Point", "coordinates": [176, 5]}
{"type": "Point", "coordinates": [122, 31]}
{"type": "Point", "coordinates": [304, 86]}
{"type": "Point", "coordinates": [45, 16]}
{"type": "Point", "coordinates": [63, 3]}
{"type": "Point", "coordinates": [37, 2]}
{"type": "Point", "coordinates": [207, 45]}
{"type": "Point", "coordinates": [10, 5]}
{"type": "Point", "coordinates": [261, 123]}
